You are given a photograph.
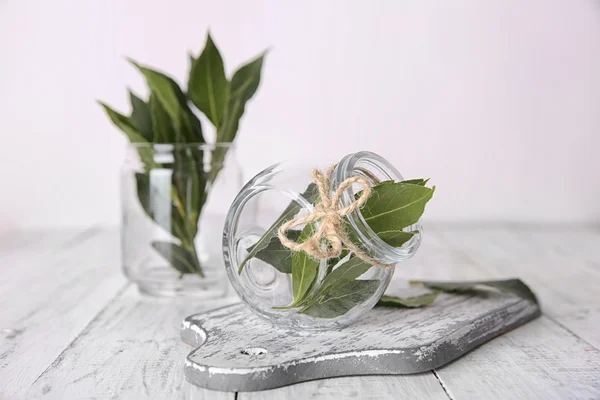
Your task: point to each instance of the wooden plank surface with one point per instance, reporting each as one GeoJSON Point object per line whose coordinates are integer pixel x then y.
{"type": "Point", "coordinates": [73, 328]}
{"type": "Point", "coordinates": [419, 386]}
{"type": "Point", "coordinates": [131, 350]}
{"type": "Point", "coordinates": [537, 361]}
{"type": "Point", "coordinates": [562, 266]}
{"type": "Point", "coordinates": [51, 288]}
{"type": "Point", "coordinates": [555, 357]}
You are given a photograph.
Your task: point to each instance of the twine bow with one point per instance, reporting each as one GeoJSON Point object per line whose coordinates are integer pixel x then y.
{"type": "Point", "coordinates": [330, 215]}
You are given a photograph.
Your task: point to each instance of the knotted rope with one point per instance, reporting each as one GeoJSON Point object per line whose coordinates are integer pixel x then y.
{"type": "Point", "coordinates": [330, 215]}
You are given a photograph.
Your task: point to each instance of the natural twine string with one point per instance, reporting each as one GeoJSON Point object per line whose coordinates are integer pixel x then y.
{"type": "Point", "coordinates": [330, 215]}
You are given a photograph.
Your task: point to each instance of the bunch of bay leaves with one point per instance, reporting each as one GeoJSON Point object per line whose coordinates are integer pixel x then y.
{"type": "Point", "coordinates": [391, 209]}
{"type": "Point", "coordinates": [167, 117]}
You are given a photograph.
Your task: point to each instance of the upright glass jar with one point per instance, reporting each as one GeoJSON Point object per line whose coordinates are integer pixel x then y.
{"type": "Point", "coordinates": [293, 289]}
{"type": "Point", "coordinates": [173, 207]}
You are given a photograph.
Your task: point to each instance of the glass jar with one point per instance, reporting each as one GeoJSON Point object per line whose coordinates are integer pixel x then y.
{"type": "Point", "coordinates": [260, 268]}
{"type": "Point", "coordinates": [173, 207]}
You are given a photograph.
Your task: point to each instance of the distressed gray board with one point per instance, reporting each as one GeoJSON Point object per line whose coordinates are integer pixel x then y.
{"type": "Point", "coordinates": [384, 341]}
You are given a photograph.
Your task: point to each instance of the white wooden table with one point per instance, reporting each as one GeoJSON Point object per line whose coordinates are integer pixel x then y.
{"type": "Point", "coordinates": [72, 327]}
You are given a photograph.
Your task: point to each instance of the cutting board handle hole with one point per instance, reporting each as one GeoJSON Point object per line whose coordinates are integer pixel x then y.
{"type": "Point", "coordinates": [254, 351]}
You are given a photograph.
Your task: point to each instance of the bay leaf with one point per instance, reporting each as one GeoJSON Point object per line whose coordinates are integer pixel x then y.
{"type": "Point", "coordinates": [167, 91]}
{"type": "Point", "coordinates": [342, 300]}
{"type": "Point", "coordinates": [336, 279]}
{"type": "Point", "coordinates": [141, 117]}
{"type": "Point", "coordinates": [163, 127]}
{"type": "Point", "coordinates": [189, 181]}
{"type": "Point", "coordinates": [277, 255]}
{"type": "Point", "coordinates": [348, 271]}
{"type": "Point", "coordinates": [408, 302]}
{"type": "Point", "coordinates": [178, 257]}
{"type": "Point", "coordinates": [162, 87]}
{"type": "Point", "coordinates": [333, 261]}
{"type": "Point", "coordinates": [420, 181]}
{"type": "Point", "coordinates": [195, 135]}
{"type": "Point", "coordinates": [383, 198]}
{"type": "Point", "coordinates": [304, 268]}
{"type": "Point", "coordinates": [310, 194]}
{"type": "Point", "coordinates": [515, 287]}
{"type": "Point", "coordinates": [394, 206]}
{"type": "Point", "coordinates": [126, 126]}
{"type": "Point", "coordinates": [244, 83]}
{"type": "Point", "coordinates": [395, 238]}
{"type": "Point", "coordinates": [208, 87]}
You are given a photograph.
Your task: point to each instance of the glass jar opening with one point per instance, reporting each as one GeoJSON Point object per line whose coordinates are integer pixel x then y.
{"type": "Point", "coordinates": [375, 169]}
{"type": "Point", "coordinates": [162, 155]}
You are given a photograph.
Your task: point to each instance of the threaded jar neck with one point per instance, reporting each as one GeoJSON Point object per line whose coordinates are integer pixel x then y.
{"type": "Point", "coordinates": [375, 169]}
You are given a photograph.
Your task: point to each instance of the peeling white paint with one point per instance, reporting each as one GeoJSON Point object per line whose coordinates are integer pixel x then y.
{"type": "Point", "coordinates": [383, 341]}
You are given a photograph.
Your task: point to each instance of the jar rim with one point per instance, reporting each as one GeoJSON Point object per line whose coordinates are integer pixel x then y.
{"type": "Point", "coordinates": [182, 145]}
{"type": "Point", "coordinates": [367, 164]}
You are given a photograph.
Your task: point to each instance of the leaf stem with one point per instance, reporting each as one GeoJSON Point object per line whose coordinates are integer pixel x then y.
{"type": "Point", "coordinates": [192, 249]}
{"type": "Point", "coordinates": [177, 201]}
{"type": "Point", "coordinates": [187, 238]}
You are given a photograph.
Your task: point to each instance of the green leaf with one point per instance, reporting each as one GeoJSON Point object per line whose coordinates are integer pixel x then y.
{"type": "Point", "coordinates": [395, 238]}
{"type": "Point", "coordinates": [141, 118]}
{"type": "Point", "coordinates": [167, 91]}
{"type": "Point", "coordinates": [208, 87]}
{"type": "Point", "coordinates": [421, 182]}
{"type": "Point", "coordinates": [243, 85]}
{"type": "Point", "coordinates": [337, 279]}
{"type": "Point", "coordinates": [310, 194]}
{"type": "Point", "coordinates": [304, 268]}
{"type": "Point", "coordinates": [164, 89]}
{"type": "Point", "coordinates": [408, 302]}
{"type": "Point", "coordinates": [164, 131]}
{"type": "Point", "coordinates": [343, 299]}
{"type": "Point", "coordinates": [124, 123]}
{"type": "Point", "coordinates": [196, 127]}
{"type": "Point", "coordinates": [393, 206]}
{"type": "Point", "coordinates": [276, 255]}
{"type": "Point", "coordinates": [189, 181]}
{"type": "Point", "coordinates": [332, 262]}
{"type": "Point", "coordinates": [348, 271]}
{"type": "Point", "coordinates": [515, 287]}
{"type": "Point", "coordinates": [181, 259]}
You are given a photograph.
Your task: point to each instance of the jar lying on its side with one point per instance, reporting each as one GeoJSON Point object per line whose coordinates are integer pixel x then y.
{"type": "Point", "coordinates": [295, 288]}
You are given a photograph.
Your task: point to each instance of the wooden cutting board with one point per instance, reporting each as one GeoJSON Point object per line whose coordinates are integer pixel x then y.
{"type": "Point", "coordinates": [238, 351]}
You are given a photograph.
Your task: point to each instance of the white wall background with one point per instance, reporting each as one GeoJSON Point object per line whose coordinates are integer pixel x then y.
{"type": "Point", "coordinates": [497, 101]}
